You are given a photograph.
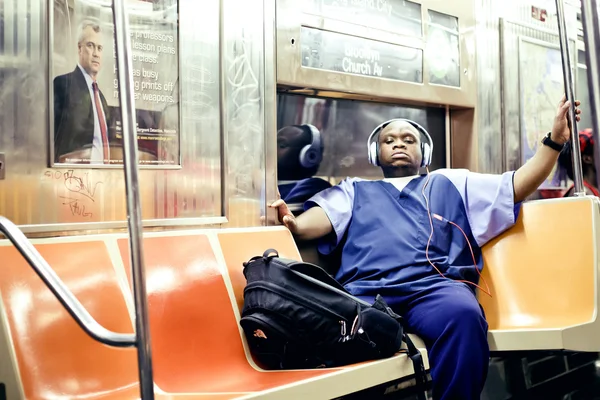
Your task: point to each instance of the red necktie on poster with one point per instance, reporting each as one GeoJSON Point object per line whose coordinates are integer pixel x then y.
{"type": "Point", "coordinates": [102, 122]}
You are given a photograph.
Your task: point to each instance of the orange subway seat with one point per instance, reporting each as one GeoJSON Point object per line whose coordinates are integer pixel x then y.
{"type": "Point", "coordinates": [196, 341]}
{"type": "Point", "coordinates": [55, 357]}
{"type": "Point", "coordinates": [239, 246]}
{"type": "Point", "coordinates": [542, 272]}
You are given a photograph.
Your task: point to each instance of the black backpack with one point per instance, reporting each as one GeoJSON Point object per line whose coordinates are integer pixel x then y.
{"type": "Point", "coordinates": [297, 316]}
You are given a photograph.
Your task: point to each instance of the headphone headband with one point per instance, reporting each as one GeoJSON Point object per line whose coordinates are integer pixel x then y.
{"type": "Point", "coordinates": [315, 134]}
{"type": "Point", "coordinates": [426, 148]}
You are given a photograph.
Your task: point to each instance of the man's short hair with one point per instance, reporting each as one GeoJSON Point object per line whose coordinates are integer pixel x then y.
{"type": "Point", "coordinates": [84, 25]}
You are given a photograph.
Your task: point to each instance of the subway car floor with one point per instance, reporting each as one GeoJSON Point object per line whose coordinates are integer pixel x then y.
{"type": "Point", "coordinates": [538, 375]}
{"type": "Point", "coordinates": [544, 375]}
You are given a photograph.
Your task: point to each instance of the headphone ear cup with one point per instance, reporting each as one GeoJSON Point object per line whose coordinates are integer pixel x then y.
{"type": "Point", "coordinates": [309, 157]}
{"type": "Point", "coordinates": [426, 151]}
{"type": "Point", "coordinates": [373, 156]}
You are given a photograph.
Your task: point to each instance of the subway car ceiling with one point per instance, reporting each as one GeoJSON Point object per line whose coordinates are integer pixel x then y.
{"type": "Point", "coordinates": [232, 76]}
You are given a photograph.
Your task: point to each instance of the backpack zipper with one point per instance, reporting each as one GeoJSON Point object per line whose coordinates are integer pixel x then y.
{"type": "Point", "coordinates": [294, 297]}
{"type": "Point", "coordinates": [329, 287]}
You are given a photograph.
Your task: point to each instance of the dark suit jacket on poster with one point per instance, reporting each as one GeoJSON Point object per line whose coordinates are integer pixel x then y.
{"type": "Point", "coordinates": [73, 114]}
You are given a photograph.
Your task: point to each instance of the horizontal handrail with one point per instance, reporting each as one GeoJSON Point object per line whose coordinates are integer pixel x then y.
{"type": "Point", "coordinates": [60, 290]}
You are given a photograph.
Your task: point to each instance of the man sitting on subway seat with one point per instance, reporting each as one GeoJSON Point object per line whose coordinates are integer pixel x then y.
{"type": "Point", "coordinates": [416, 240]}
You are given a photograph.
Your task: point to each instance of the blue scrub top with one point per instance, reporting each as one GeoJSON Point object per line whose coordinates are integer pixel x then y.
{"type": "Point", "coordinates": [385, 228]}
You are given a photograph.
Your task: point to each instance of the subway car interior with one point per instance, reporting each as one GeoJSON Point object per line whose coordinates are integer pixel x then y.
{"type": "Point", "coordinates": [122, 256]}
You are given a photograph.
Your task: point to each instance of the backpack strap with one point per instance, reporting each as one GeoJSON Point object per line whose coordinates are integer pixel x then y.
{"type": "Point", "coordinates": [316, 272]}
{"type": "Point", "coordinates": [245, 263]}
{"type": "Point", "coordinates": [267, 255]}
{"type": "Point", "coordinates": [303, 268]}
{"type": "Point", "coordinates": [417, 359]}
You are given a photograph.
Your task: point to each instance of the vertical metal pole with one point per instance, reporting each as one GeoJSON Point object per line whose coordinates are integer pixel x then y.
{"type": "Point", "coordinates": [568, 78]}
{"type": "Point", "coordinates": [134, 218]}
{"type": "Point", "coordinates": [591, 37]}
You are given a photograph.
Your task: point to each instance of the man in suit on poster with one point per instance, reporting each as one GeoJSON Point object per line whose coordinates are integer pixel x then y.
{"type": "Point", "coordinates": [81, 114]}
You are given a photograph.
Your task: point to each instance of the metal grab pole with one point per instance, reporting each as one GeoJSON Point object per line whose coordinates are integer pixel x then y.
{"type": "Point", "coordinates": [591, 38]}
{"type": "Point", "coordinates": [73, 306]}
{"type": "Point", "coordinates": [134, 218]}
{"type": "Point", "coordinates": [568, 78]}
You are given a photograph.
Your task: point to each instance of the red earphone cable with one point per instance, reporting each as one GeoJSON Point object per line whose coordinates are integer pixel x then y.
{"type": "Point", "coordinates": [466, 238]}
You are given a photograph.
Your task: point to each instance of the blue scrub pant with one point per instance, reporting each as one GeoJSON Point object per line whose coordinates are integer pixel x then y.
{"type": "Point", "coordinates": [449, 319]}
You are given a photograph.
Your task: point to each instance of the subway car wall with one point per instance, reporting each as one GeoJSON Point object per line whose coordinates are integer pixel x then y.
{"type": "Point", "coordinates": [343, 127]}
{"type": "Point", "coordinates": [214, 89]}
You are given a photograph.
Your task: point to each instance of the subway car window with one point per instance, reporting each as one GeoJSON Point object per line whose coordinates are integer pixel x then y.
{"type": "Point", "coordinates": [322, 141]}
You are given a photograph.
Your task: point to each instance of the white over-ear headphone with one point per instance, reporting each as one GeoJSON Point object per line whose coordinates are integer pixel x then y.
{"type": "Point", "coordinates": [312, 154]}
{"type": "Point", "coordinates": [426, 145]}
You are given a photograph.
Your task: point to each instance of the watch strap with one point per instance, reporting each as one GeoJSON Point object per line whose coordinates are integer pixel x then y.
{"type": "Point", "coordinates": [552, 144]}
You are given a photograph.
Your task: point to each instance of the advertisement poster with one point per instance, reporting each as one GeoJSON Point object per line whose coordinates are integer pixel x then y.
{"type": "Point", "coordinates": [541, 85]}
{"type": "Point", "coordinates": [84, 101]}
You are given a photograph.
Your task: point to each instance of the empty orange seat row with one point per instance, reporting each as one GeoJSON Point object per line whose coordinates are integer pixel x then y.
{"type": "Point", "coordinates": [194, 283]}
{"type": "Point", "coordinates": [543, 274]}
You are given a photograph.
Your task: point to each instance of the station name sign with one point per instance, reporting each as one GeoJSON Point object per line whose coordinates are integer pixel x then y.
{"type": "Point", "coordinates": [359, 56]}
